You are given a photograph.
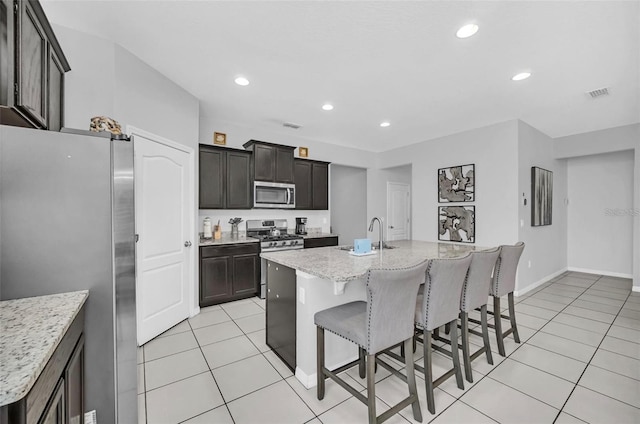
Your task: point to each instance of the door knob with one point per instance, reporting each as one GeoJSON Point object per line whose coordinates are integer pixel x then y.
{"type": "Point", "coordinates": [391, 226]}
{"type": "Point", "coordinates": [187, 244]}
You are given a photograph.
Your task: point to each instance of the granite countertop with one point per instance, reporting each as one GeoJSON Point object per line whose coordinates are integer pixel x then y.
{"type": "Point", "coordinates": [32, 328]}
{"type": "Point", "coordinates": [338, 265]}
{"type": "Point", "coordinates": [227, 239]}
{"type": "Point", "coordinates": [319, 235]}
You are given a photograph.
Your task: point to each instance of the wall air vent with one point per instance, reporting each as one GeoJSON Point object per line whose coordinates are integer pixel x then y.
{"type": "Point", "coordinates": [599, 92]}
{"type": "Point", "coordinates": [292, 125]}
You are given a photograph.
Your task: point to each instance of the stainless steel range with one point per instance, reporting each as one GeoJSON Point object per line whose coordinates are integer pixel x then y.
{"type": "Point", "coordinates": [273, 235]}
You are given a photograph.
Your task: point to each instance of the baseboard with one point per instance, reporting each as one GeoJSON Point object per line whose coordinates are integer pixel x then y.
{"type": "Point", "coordinates": [540, 282]}
{"type": "Point", "coordinates": [595, 271]}
{"type": "Point", "coordinates": [311, 380]}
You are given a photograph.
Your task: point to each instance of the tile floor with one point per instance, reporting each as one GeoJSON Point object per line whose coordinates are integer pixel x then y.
{"type": "Point", "coordinates": [579, 361]}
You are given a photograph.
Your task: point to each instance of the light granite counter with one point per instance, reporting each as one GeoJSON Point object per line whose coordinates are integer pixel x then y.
{"type": "Point", "coordinates": [338, 265]}
{"type": "Point", "coordinates": [227, 239]}
{"type": "Point", "coordinates": [30, 331]}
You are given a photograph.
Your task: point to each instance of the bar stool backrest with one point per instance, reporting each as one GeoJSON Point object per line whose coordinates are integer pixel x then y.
{"type": "Point", "coordinates": [442, 290]}
{"type": "Point", "coordinates": [391, 299]}
{"type": "Point", "coordinates": [478, 281]}
{"type": "Point", "coordinates": [504, 275]}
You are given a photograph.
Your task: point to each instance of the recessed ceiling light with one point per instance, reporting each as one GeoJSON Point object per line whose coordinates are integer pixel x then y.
{"type": "Point", "coordinates": [385, 124]}
{"type": "Point", "coordinates": [467, 31]}
{"type": "Point", "coordinates": [242, 81]}
{"type": "Point", "coordinates": [521, 76]}
{"type": "Point", "coordinates": [327, 106]}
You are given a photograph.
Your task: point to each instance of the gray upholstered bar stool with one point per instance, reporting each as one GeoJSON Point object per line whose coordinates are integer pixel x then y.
{"type": "Point", "coordinates": [504, 282]}
{"type": "Point", "coordinates": [383, 321]}
{"type": "Point", "coordinates": [474, 295]}
{"type": "Point", "coordinates": [437, 305]}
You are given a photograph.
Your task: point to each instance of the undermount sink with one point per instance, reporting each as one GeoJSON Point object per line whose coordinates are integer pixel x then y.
{"type": "Point", "coordinates": [374, 246]}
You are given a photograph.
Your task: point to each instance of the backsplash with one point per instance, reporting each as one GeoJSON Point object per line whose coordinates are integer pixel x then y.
{"type": "Point", "coordinates": [315, 219]}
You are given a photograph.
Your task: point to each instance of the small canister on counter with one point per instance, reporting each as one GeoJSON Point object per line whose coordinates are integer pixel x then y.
{"type": "Point", "coordinates": [207, 228]}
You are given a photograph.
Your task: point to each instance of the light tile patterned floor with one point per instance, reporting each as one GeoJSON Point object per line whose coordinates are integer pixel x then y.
{"type": "Point", "coordinates": [578, 361]}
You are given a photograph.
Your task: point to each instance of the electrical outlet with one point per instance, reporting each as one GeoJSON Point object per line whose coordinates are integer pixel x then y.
{"type": "Point", "coordinates": [91, 417]}
{"type": "Point", "coordinates": [529, 264]}
{"type": "Point", "coordinates": [522, 222]}
{"type": "Point", "coordinates": [324, 220]}
{"type": "Point", "coordinates": [301, 295]}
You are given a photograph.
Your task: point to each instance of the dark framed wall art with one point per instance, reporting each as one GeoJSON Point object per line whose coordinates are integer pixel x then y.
{"type": "Point", "coordinates": [457, 184]}
{"type": "Point", "coordinates": [541, 196]}
{"type": "Point", "coordinates": [457, 223]}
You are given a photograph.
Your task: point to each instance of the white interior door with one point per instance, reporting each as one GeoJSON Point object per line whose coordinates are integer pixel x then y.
{"type": "Point", "coordinates": [398, 207]}
{"type": "Point", "coordinates": [164, 206]}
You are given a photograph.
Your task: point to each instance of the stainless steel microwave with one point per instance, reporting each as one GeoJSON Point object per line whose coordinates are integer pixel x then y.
{"type": "Point", "coordinates": [274, 195]}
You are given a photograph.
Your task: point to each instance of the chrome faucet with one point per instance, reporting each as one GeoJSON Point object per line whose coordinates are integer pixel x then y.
{"type": "Point", "coordinates": [380, 226]}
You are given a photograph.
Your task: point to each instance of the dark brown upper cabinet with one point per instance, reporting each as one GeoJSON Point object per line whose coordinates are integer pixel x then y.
{"type": "Point", "coordinates": [225, 178]}
{"type": "Point", "coordinates": [32, 67]}
{"type": "Point", "coordinates": [271, 162]}
{"type": "Point", "coordinates": [312, 184]}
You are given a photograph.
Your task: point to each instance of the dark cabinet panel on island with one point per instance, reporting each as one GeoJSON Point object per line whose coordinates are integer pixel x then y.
{"type": "Point", "coordinates": [225, 178]}
{"type": "Point", "coordinates": [271, 162]}
{"type": "Point", "coordinates": [229, 272]}
{"type": "Point", "coordinates": [312, 184]}
{"type": "Point", "coordinates": [281, 312]}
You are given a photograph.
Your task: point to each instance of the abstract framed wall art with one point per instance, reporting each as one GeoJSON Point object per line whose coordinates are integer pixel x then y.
{"type": "Point", "coordinates": [457, 184]}
{"type": "Point", "coordinates": [457, 223]}
{"type": "Point", "coordinates": [541, 196]}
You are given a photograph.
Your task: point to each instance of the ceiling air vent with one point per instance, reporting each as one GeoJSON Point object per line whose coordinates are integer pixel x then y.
{"type": "Point", "coordinates": [599, 92]}
{"type": "Point", "coordinates": [292, 125]}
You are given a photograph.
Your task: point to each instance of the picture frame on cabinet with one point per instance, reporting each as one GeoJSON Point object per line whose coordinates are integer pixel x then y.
{"type": "Point", "coordinates": [303, 152]}
{"type": "Point", "coordinates": [219, 138]}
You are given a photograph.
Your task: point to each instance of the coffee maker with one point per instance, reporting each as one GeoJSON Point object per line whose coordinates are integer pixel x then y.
{"type": "Point", "coordinates": [301, 226]}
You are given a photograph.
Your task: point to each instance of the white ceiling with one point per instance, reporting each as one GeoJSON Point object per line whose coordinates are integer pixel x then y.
{"type": "Point", "coordinates": [387, 60]}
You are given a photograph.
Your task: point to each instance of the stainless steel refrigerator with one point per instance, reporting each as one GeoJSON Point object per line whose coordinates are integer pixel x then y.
{"type": "Point", "coordinates": [67, 223]}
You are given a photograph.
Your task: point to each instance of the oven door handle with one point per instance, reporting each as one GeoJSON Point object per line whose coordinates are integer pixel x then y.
{"type": "Point", "coordinates": [288, 201]}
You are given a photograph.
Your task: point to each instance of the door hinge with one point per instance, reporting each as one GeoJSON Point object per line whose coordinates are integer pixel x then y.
{"type": "Point", "coordinates": [137, 237]}
{"type": "Point", "coordinates": [15, 88]}
{"type": "Point", "coordinates": [15, 7]}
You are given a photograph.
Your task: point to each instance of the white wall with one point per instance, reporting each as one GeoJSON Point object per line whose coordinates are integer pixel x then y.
{"type": "Point", "coordinates": [545, 253]}
{"type": "Point", "coordinates": [348, 203]}
{"type": "Point", "coordinates": [604, 141]}
{"type": "Point", "coordinates": [377, 180]}
{"type": "Point", "coordinates": [600, 236]}
{"type": "Point", "coordinates": [493, 150]}
{"type": "Point", "coordinates": [90, 84]}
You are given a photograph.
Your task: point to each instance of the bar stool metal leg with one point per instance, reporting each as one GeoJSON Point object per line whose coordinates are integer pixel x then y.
{"type": "Point", "coordinates": [428, 373]}
{"type": "Point", "coordinates": [362, 371]}
{"type": "Point", "coordinates": [411, 379]}
{"type": "Point", "coordinates": [512, 318]}
{"type": "Point", "coordinates": [464, 328]}
{"type": "Point", "coordinates": [497, 320]}
{"type": "Point", "coordinates": [320, 361]}
{"type": "Point", "coordinates": [454, 353]}
{"type": "Point", "coordinates": [371, 388]}
{"type": "Point", "coordinates": [485, 334]}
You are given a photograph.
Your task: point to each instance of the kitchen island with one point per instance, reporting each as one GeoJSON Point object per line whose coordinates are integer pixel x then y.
{"type": "Point", "coordinates": [303, 282]}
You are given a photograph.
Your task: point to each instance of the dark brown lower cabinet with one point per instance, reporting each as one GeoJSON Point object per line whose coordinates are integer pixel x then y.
{"type": "Point", "coordinates": [57, 396]}
{"type": "Point", "coordinates": [320, 242]}
{"type": "Point", "coordinates": [229, 272]}
{"type": "Point", "coordinates": [281, 312]}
